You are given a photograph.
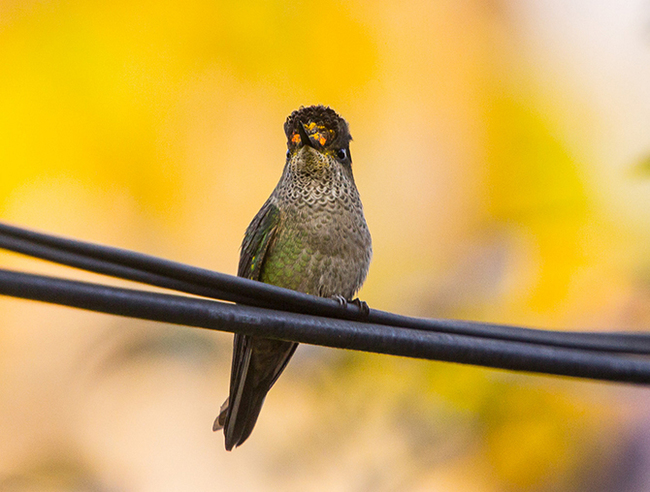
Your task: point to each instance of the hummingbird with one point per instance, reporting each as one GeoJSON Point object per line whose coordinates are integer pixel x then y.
{"type": "Point", "coordinates": [310, 236]}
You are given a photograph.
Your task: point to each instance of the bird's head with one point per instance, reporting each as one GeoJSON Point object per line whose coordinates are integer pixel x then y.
{"type": "Point", "coordinates": [317, 138]}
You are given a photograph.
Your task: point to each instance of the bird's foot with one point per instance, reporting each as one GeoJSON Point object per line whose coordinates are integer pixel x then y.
{"type": "Point", "coordinates": [341, 300]}
{"type": "Point", "coordinates": [362, 305]}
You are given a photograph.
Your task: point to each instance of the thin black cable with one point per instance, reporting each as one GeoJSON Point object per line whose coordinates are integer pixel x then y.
{"type": "Point", "coordinates": [317, 330]}
{"type": "Point", "coordinates": [184, 278]}
{"type": "Point", "coordinates": [96, 265]}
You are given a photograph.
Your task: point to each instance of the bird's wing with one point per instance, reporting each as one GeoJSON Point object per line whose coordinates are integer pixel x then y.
{"type": "Point", "coordinates": [259, 235]}
{"type": "Point", "coordinates": [256, 362]}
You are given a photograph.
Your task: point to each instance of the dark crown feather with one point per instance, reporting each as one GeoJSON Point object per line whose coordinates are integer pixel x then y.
{"type": "Point", "coordinates": [322, 116]}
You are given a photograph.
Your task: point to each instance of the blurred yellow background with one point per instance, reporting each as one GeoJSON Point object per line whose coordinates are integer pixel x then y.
{"type": "Point", "coordinates": [501, 150]}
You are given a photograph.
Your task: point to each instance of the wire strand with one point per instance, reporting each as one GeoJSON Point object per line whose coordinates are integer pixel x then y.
{"type": "Point", "coordinates": [345, 334]}
{"type": "Point", "coordinates": [159, 272]}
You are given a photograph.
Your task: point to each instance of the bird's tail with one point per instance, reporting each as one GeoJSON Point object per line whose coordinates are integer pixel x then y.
{"type": "Point", "coordinates": [257, 363]}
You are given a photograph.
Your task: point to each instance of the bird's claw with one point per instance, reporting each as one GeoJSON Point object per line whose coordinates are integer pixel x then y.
{"type": "Point", "coordinates": [341, 300]}
{"type": "Point", "coordinates": [362, 305]}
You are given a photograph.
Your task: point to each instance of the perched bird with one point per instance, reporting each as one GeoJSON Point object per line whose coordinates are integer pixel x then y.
{"type": "Point", "coordinates": [310, 236]}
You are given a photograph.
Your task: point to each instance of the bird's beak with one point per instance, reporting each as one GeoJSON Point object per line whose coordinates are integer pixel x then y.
{"type": "Point", "coordinates": [304, 138]}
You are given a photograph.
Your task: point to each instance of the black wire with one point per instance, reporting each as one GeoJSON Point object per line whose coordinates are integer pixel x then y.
{"type": "Point", "coordinates": [317, 330]}
{"type": "Point", "coordinates": [184, 278]}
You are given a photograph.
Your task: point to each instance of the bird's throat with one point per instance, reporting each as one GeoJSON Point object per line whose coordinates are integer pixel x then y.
{"type": "Point", "coordinates": [311, 162]}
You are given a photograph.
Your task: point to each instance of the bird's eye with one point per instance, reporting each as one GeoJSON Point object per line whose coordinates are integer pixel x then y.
{"type": "Point", "coordinates": [342, 154]}
{"type": "Point", "coordinates": [288, 153]}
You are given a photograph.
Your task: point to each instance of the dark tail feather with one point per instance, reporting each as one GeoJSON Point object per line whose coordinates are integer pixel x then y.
{"type": "Point", "coordinates": [238, 426]}
{"type": "Point", "coordinates": [257, 363]}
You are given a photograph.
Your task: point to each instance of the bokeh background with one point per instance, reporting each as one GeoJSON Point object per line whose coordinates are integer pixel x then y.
{"type": "Point", "coordinates": [502, 151]}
